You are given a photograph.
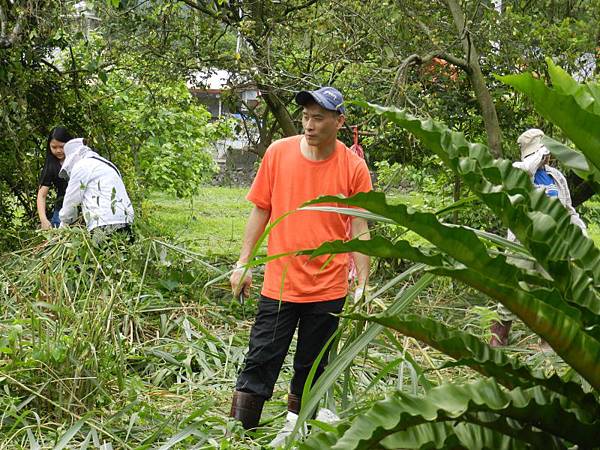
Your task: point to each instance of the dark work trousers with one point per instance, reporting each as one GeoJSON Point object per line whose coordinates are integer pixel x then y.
{"type": "Point", "coordinates": [270, 340]}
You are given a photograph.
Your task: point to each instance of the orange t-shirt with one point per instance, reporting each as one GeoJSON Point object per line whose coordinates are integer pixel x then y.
{"type": "Point", "coordinates": [285, 180]}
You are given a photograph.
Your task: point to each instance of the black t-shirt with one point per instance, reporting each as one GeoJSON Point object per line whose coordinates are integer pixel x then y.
{"type": "Point", "coordinates": [50, 178]}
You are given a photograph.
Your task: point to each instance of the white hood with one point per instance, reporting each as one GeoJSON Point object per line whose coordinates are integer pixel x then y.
{"type": "Point", "coordinates": [75, 150]}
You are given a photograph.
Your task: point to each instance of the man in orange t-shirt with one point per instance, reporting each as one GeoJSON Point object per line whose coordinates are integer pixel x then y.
{"type": "Point", "coordinates": [298, 292]}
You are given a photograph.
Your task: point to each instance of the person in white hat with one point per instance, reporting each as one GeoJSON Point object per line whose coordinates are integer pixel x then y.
{"type": "Point", "coordinates": [96, 185]}
{"type": "Point", "coordinates": [534, 160]}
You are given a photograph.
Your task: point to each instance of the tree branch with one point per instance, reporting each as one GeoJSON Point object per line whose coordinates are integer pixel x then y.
{"type": "Point", "coordinates": [3, 21]}
{"type": "Point", "coordinates": [195, 5]}
{"type": "Point", "coordinates": [482, 93]}
{"type": "Point", "coordinates": [454, 60]}
{"type": "Point", "coordinates": [52, 66]}
{"type": "Point", "coordinates": [418, 60]}
{"type": "Point", "coordinates": [214, 14]}
{"type": "Point", "coordinates": [9, 41]}
{"type": "Point", "coordinates": [299, 7]}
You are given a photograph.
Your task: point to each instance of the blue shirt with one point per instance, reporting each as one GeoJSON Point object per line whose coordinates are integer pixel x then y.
{"type": "Point", "coordinates": [544, 181]}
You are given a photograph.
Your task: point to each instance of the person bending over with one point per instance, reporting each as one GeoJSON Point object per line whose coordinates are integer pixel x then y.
{"type": "Point", "coordinates": [55, 156]}
{"type": "Point", "coordinates": [96, 185]}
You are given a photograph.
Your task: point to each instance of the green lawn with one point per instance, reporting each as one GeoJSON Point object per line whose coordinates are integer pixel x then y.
{"type": "Point", "coordinates": [212, 223]}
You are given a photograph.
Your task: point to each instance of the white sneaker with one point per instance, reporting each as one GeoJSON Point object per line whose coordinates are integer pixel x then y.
{"type": "Point", "coordinates": [288, 427]}
{"type": "Point", "coordinates": [327, 416]}
{"type": "Point", "coordinates": [323, 415]}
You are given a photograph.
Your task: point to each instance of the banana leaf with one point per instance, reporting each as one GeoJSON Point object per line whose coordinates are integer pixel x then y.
{"type": "Point", "coordinates": [574, 108]}
{"type": "Point", "coordinates": [532, 409]}
{"type": "Point", "coordinates": [468, 349]}
{"type": "Point", "coordinates": [574, 160]}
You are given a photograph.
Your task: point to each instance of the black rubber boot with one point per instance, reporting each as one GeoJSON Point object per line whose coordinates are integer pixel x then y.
{"type": "Point", "coordinates": [294, 402]}
{"type": "Point", "coordinates": [247, 408]}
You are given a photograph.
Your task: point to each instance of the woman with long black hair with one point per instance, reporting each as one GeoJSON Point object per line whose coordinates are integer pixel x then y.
{"type": "Point", "coordinates": [49, 178]}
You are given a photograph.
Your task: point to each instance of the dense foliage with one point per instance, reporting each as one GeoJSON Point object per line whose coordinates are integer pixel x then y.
{"type": "Point", "coordinates": [118, 53]}
{"type": "Point", "coordinates": [89, 337]}
{"type": "Point", "coordinates": [559, 301]}
{"type": "Point", "coordinates": [64, 70]}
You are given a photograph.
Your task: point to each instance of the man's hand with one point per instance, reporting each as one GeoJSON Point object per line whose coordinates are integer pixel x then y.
{"type": "Point", "coordinates": [46, 225]}
{"type": "Point", "coordinates": [254, 228]}
{"type": "Point", "coordinates": [237, 283]}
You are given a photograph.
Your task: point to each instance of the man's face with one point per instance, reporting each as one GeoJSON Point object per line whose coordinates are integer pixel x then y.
{"type": "Point", "coordinates": [320, 125]}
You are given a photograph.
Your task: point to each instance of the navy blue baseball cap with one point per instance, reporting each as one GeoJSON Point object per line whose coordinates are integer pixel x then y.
{"type": "Point", "coordinates": [327, 97]}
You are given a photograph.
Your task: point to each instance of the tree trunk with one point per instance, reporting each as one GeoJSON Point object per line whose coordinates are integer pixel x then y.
{"type": "Point", "coordinates": [488, 110]}
{"type": "Point", "coordinates": [581, 190]}
{"type": "Point", "coordinates": [280, 113]}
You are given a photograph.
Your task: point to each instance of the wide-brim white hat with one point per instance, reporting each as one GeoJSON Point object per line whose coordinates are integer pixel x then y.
{"type": "Point", "coordinates": [530, 142]}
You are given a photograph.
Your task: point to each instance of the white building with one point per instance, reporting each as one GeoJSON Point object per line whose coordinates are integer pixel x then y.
{"type": "Point", "coordinates": [210, 88]}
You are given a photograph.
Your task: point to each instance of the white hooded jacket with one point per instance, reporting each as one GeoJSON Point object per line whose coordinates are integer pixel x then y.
{"type": "Point", "coordinates": [530, 164]}
{"type": "Point", "coordinates": [96, 185]}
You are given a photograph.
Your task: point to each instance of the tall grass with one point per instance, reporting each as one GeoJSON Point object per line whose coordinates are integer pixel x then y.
{"type": "Point", "coordinates": [86, 331]}
{"type": "Point", "coordinates": [122, 345]}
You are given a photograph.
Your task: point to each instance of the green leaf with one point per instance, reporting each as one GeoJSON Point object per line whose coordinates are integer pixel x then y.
{"type": "Point", "coordinates": [573, 108]}
{"type": "Point", "coordinates": [567, 156]}
{"type": "Point", "coordinates": [377, 246]}
{"type": "Point", "coordinates": [499, 240]}
{"type": "Point", "coordinates": [103, 76]}
{"type": "Point", "coordinates": [347, 355]}
{"type": "Point", "coordinates": [444, 435]}
{"type": "Point", "coordinates": [190, 430]}
{"type": "Point", "coordinates": [533, 409]}
{"type": "Point", "coordinates": [585, 95]}
{"type": "Point", "coordinates": [538, 302]}
{"type": "Point", "coordinates": [509, 193]}
{"type": "Point", "coordinates": [567, 337]}
{"type": "Point", "coordinates": [575, 161]}
{"type": "Point", "coordinates": [481, 357]}
{"type": "Point", "coordinates": [541, 224]}
{"type": "Point", "coordinates": [458, 242]}
{"type": "Point", "coordinates": [458, 205]}
{"type": "Point", "coordinates": [68, 435]}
